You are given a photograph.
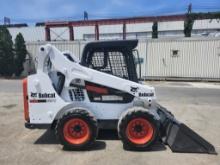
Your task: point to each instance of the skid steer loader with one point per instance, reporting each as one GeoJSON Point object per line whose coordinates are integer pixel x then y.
{"type": "Point", "coordinates": [102, 91]}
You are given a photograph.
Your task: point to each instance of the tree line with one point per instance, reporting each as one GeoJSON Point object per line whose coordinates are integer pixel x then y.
{"type": "Point", "coordinates": [12, 55]}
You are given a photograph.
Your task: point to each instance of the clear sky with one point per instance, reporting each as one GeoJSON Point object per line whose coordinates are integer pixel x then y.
{"type": "Point", "coordinates": [30, 11]}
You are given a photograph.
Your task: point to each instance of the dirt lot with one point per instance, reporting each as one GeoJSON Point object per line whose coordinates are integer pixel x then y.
{"type": "Point", "coordinates": [196, 104]}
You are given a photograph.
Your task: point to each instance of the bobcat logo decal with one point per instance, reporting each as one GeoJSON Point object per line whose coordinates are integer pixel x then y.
{"type": "Point", "coordinates": [134, 89]}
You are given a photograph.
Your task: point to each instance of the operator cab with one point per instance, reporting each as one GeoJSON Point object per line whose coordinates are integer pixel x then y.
{"type": "Point", "coordinates": [112, 57]}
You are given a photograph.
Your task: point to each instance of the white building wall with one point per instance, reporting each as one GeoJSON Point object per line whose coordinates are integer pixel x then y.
{"type": "Point", "coordinates": [139, 27]}
{"type": "Point", "coordinates": [29, 33]}
{"type": "Point", "coordinates": [110, 32]}
{"type": "Point", "coordinates": [170, 34]}
{"type": "Point", "coordinates": [80, 31]}
{"type": "Point", "coordinates": [139, 35]}
{"type": "Point", "coordinates": [166, 29]}
{"type": "Point", "coordinates": [207, 24]}
{"type": "Point", "coordinates": [170, 26]}
{"type": "Point", "coordinates": [110, 29]}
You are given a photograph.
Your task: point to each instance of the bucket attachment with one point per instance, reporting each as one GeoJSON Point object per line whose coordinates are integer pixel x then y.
{"type": "Point", "coordinates": [181, 138]}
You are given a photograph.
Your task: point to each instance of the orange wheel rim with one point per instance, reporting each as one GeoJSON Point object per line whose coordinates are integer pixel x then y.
{"type": "Point", "coordinates": [76, 131]}
{"type": "Point", "coordinates": [139, 131]}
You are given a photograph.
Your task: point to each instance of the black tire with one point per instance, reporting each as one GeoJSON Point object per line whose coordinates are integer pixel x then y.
{"type": "Point", "coordinates": [79, 114]}
{"type": "Point", "coordinates": [130, 115]}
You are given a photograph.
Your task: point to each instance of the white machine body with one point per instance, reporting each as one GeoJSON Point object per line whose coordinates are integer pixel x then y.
{"type": "Point", "coordinates": [45, 103]}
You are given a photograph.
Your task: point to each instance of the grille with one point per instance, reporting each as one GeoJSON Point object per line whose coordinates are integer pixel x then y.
{"type": "Point", "coordinates": [76, 94]}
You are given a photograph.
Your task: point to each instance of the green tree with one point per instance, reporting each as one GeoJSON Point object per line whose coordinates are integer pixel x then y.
{"type": "Point", "coordinates": [155, 30]}
{"type": "Point", "coordinates": [188, 25]}
{"type": "Point", "coordinates": [20, 54]}
{"type": "Point", "coordinates": [6, 53]}
{"type": "Point", "coordinates": [191, 17]}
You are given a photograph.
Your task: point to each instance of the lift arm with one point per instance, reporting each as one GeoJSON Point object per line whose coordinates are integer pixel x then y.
{"type": "Point", "coordinates": [73, 70]}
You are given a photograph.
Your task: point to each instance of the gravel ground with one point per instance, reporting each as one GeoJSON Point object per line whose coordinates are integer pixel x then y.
{"type": "Point", "coordinates": [196, 104]}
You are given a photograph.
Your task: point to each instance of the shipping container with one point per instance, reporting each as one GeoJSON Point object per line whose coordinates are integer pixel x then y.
{"type": "Point", "coordinates": [164, 59]}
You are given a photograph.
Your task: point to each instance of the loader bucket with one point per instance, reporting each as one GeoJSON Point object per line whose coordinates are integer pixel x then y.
{"type": "Point", "coordinates": [181, 138]}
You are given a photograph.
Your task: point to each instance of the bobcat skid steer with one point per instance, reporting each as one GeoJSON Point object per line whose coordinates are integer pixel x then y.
{"type": "Point", "coordinates": [78, 98]}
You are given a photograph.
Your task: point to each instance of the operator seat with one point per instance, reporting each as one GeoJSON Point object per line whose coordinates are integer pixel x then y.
{"type": "Point", "coordinates": [58, 81]}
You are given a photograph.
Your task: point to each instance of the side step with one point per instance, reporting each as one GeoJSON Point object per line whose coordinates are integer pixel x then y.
{"type": "Point", "coordinates": [181, 138]}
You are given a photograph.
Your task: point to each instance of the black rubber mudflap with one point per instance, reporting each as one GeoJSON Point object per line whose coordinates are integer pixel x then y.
{"type": "Point", "coordinates": [181, 138]}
